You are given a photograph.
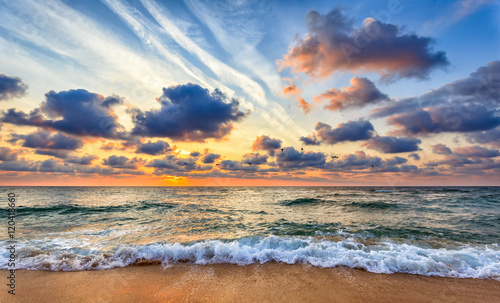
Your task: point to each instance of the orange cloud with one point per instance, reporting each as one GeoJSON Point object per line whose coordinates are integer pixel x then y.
{"type": "Point", "coordinates": [361, 92]}
{"type": "Point", "coordinates": [333, 44]}
{"type": "Point", "coordinates": [293, 90]}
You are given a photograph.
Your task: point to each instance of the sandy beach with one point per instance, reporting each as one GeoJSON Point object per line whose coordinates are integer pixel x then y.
{"type": "Point", "coordinates": [270, 282]}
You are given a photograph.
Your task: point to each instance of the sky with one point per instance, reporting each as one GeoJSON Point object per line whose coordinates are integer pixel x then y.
{"type": "Point", "coordinates": [244, 92]}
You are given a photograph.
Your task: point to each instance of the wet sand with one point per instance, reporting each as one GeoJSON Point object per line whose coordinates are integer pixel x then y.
{"type": "Point", "coordinates": [270, 282]}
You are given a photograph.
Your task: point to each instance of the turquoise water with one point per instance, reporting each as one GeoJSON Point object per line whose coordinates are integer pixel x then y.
{"type": "Point", "coordinates": [441, 231]}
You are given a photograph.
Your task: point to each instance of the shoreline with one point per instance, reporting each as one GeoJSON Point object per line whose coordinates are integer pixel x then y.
{"type": "Point", "coordinates": [268, 282]}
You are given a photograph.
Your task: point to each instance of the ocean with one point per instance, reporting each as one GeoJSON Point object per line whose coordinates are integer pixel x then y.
{"type": "Point", "coordinates": [432, 231]}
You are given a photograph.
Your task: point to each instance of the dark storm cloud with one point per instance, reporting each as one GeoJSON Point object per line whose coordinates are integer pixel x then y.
{"type": "Point", "coordinates": [188, 113]}
{"type": "Point", "coordinates": [310, 140]}
{"type": "Point", "coordinates": [210, 158]}
{"type": "Point", "coordinates": [361, 92]}
{"type": "Point", "coordinates": [76, 112]}
{"type": "Point", "coordinates": [481, 86]}
{"type": "Point", "coordinates": [47, 140]}
{"type": "Point", "coordinates": [441, 149]}
{"type": "Point", "coordinates": [332, 44]}
{"type": "Point", "coordinates": [122, 162]}
{"type": "Point", "coordinates": [11, 87]}
{"type": "Point", "coordinates": [7, 154]}
{"type": "Point", "coordinates": [458, 118]}
{"type": "Point", "coordinates": [392, 145]}
{"type": "Point", "coordinates": [153, 148]}
{"type": "Point", "coordinates": [291, 158]}
{"type": "Point", "coordinates": [349, 131]}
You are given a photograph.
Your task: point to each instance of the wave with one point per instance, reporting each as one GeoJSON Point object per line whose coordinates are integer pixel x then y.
{"type": "Point", "coordinates": [302, 201]}
{"type": "Point", "coordinates": [383, 191]}
{"type": "Point", "coordinates": [481, 261]}
{"type": "Point", "coordinates": [77, 208]}
{"type": "Point", "coordinates": [373, 205]}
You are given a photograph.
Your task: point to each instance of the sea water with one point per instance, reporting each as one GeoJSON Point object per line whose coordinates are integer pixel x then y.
{"type": "Point", "coordinates": [433, 231]}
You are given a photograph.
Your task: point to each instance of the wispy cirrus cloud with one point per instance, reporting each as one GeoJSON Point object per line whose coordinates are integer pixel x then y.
{"type": "Point", "coordinates": [460, 10]}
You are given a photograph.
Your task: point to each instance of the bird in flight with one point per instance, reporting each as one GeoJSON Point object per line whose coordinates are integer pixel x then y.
{"type": "Point", "coordinates": [249, 163]}
{"type": "Point", "coordinates": [335, 157]}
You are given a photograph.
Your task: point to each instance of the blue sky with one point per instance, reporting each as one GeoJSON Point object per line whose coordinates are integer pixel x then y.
{"type": "Point", "coordinates": [251, 51]}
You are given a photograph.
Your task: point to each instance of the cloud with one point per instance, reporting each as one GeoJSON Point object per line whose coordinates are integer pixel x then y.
{"type": "Point", "coordinates": [454, 161]}
{"type": "Point", "coordinates": [392, 145]}
{"type": "Point", "coordinates": [461, 9]}
{"type": "Point", "coordinates": [441, 149]}
{"type": "Point", "coordinates": [310, 140]}
{"type": "Point", "coordinates": [361, 92]}
{"type": "Point", "coordinates": [171, 165]}
{"type": "Point", "coordinates": [237, 166]}
{"type": "Point", "coordinates": [47, 140]}
{"type": "Point", "coordinates": [68, 157]}
{"type": "Point", "coordinates": [210, 158]}
{"type": "Point", "coordinates": [57, 153]}
{"type": "Point", "coordinates": [480, 87]}
{"type": "Point", "coordinates": [349, 131]}
{"type": "Point", "coordinates": [254, 158]}
{"type": "Point", "coordinates": [76, 111]}
{"type": "Point", "coordinates": [11, 87]}
{"type": "Point", "coordinates": [7, 154]}
{"type": "Point", "coordinates": [34, 118]}
{"type": "Point", "coordinates": [195, 154]}
{"type": "Point", "coordinates": [415, 156]}
{"type": "Point", "coordinates": [122, 162]}
{"type": "Point", "coordinates": [332, 44]}
{"type": "Point", "coordinates": [292, 90]}
{"type": "Point", "coordinates": [401, 106]}
{"type": "Point", "coordinates": [476, 152]}
{"type": "Point", "coordinates": [188, 113]}
{"type": "Point", "coordinates": [267, 143]}
{"type": "Point", "coordinates": [360, 161]}
{"type": "Point", "coordinates": [291, 158]}
{"type": "Point", "coordinates": [83, 160]}
{"type": "Point", "coordinates": [153, 148]}
{"type": "Point", "coordinates": [485, 137]}
{"type": "Point", "coordinates": [458, 118]}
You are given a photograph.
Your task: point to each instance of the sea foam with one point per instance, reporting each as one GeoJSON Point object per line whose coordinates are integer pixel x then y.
{"type": "Point", "coordinates": [478, 261]}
